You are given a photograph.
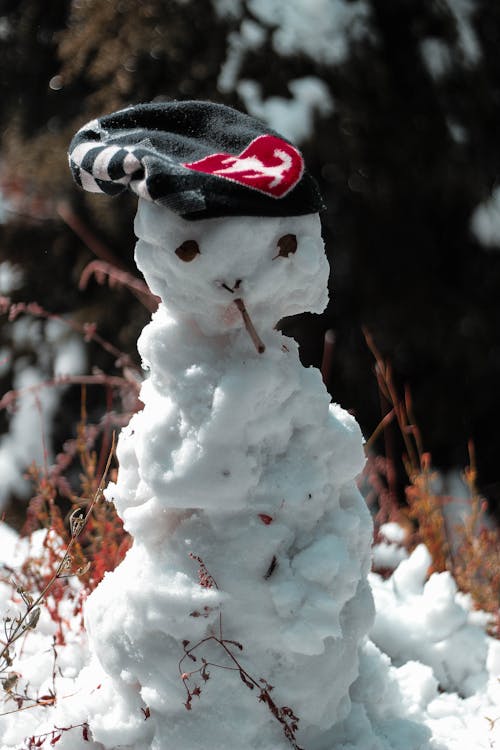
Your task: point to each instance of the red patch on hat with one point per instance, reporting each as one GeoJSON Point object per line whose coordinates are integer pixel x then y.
{"type": "Point", "coordinates": [268, 164]}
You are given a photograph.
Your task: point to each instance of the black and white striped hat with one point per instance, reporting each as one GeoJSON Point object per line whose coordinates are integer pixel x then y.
{"type": "Point", "coordinates": [197, 158]}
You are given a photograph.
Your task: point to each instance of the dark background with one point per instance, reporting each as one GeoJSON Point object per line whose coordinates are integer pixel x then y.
{"type": "Point", "coordinates": [399, 186]}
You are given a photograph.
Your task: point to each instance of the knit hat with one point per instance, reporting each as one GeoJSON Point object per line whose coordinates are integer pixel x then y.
{"type": "Point", "coordinates": [199, 159]}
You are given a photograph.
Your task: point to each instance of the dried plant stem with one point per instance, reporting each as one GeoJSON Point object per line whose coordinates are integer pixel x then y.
{"type": "Point", "coordinates": [88, 331]}
{"type": "Point", "coordinates": [112, 381]}
{"type": "Point", "coordinates": [425, 508]}
{"type": "Point", "coordinates": [387, 389]}
{"type": "Point", "coordinates": [102, 251]}
{"type": "Point", "coordinates": [477, 558]}
{"type": "Point", "coordinates": [259, 345]}
{"type": "Point", "coordinates": [20, 708]}
{"type": "Point", "coordinates": [283, 714]}
{"type": "Point", "coordinates": [100, 269]}
{"type": "Point", "coordinates": [386, 420]}
{"type": "Point", "coordinates": [327, 360]}
{"type": "Point", "coordinates": [36, 741]}
{"type": "Point", "coordinates": [85, 234]}
{"type": "Point", "coordinates": [29, 620]}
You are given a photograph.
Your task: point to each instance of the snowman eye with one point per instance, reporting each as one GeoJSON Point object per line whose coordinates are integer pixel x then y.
{"type": "Point", "coordinates": [188, 251]}
{"type": "Point", "coordinates": [287, 245]}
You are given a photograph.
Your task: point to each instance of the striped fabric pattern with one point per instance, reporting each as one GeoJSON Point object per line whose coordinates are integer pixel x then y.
{"type": "Point", "coordinates": [107, 169]}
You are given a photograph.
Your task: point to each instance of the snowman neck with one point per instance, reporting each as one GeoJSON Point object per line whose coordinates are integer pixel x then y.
{"type": "Point", "coordinates": [244, 340]}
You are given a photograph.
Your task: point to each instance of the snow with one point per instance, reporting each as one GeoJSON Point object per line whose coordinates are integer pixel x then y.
{"type": "Point", "coordinates": [322, 30]}
{"type": "Point", "coordinates": [4, 204]}
{"type": "Point", "coordinates": [69, 356]}
{"type": "Point", "coordinates": [485, 221]}
{"type": "Point", "coordinates": [437, 54]}
{"type": "Point", "coordinates": [60, 352]}
{"type": "Point", "coordinates": [293, 117]}
{"type": "Point", "coordinates": [387, 555]}
{"type": "Point", "coordinates": [11, 276]}
{"type": "Point", "coordinates": [388, 551]}
{"type": "Point", "coordinates": [29, 427]}
{"type": "Point", "coordinates": [429, 622]}
{"type": "Point", "coordinates": [249, 37]}
{"type": "Point", "coordinates": [457, 131]}
{"type": "Point", "coordinates": [395, 700]}
{"type": "Point", "coordinates": [8, 542]}
{"type": "Point", "coordinates": [393, 532]}
{"type": "Point", "coordinates": [468, 41]}
{"type": "Point", "coordinates": [228, 8]}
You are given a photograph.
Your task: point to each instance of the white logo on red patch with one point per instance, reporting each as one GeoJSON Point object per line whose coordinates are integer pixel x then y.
{"type": "Point", "coordinates": [268, 164]}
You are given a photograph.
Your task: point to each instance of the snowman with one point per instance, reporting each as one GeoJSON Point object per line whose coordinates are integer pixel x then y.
{"type": "Point", "coordinates": [236, 618]}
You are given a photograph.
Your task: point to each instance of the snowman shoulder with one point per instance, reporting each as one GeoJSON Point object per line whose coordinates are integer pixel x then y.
{"type": "Point", "coordinates": [347, 442]}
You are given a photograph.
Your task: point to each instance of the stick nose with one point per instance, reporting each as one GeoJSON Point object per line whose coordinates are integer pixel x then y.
{"type": "Point", "coordinates": [257, 341]}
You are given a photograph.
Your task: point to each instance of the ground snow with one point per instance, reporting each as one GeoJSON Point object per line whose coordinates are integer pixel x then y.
{"type": "Point", "coordinates": [396, 702]}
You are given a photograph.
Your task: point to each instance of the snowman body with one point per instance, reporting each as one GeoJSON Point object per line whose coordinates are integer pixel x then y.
{"type": "Point", "coordinates": [251, 542]}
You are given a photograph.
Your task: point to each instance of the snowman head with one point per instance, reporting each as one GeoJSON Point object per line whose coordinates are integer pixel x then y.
{"type": "Point", "coordinates": [227, 211]}
{"type": "Point", "coordinates": [200, 269]}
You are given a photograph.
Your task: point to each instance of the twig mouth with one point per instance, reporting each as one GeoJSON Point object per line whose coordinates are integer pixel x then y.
{"type": "Point", "coordinates": [259, 345]}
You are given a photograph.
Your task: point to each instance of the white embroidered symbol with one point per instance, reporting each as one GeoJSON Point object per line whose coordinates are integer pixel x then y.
{"type": "Point", "coordinates": [268, 164]}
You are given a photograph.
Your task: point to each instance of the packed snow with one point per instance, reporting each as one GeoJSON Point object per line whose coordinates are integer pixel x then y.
{"type": "Point", "coordinates": [237, 482]}
{"type": "Point", "coordinates": [237, 458]}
